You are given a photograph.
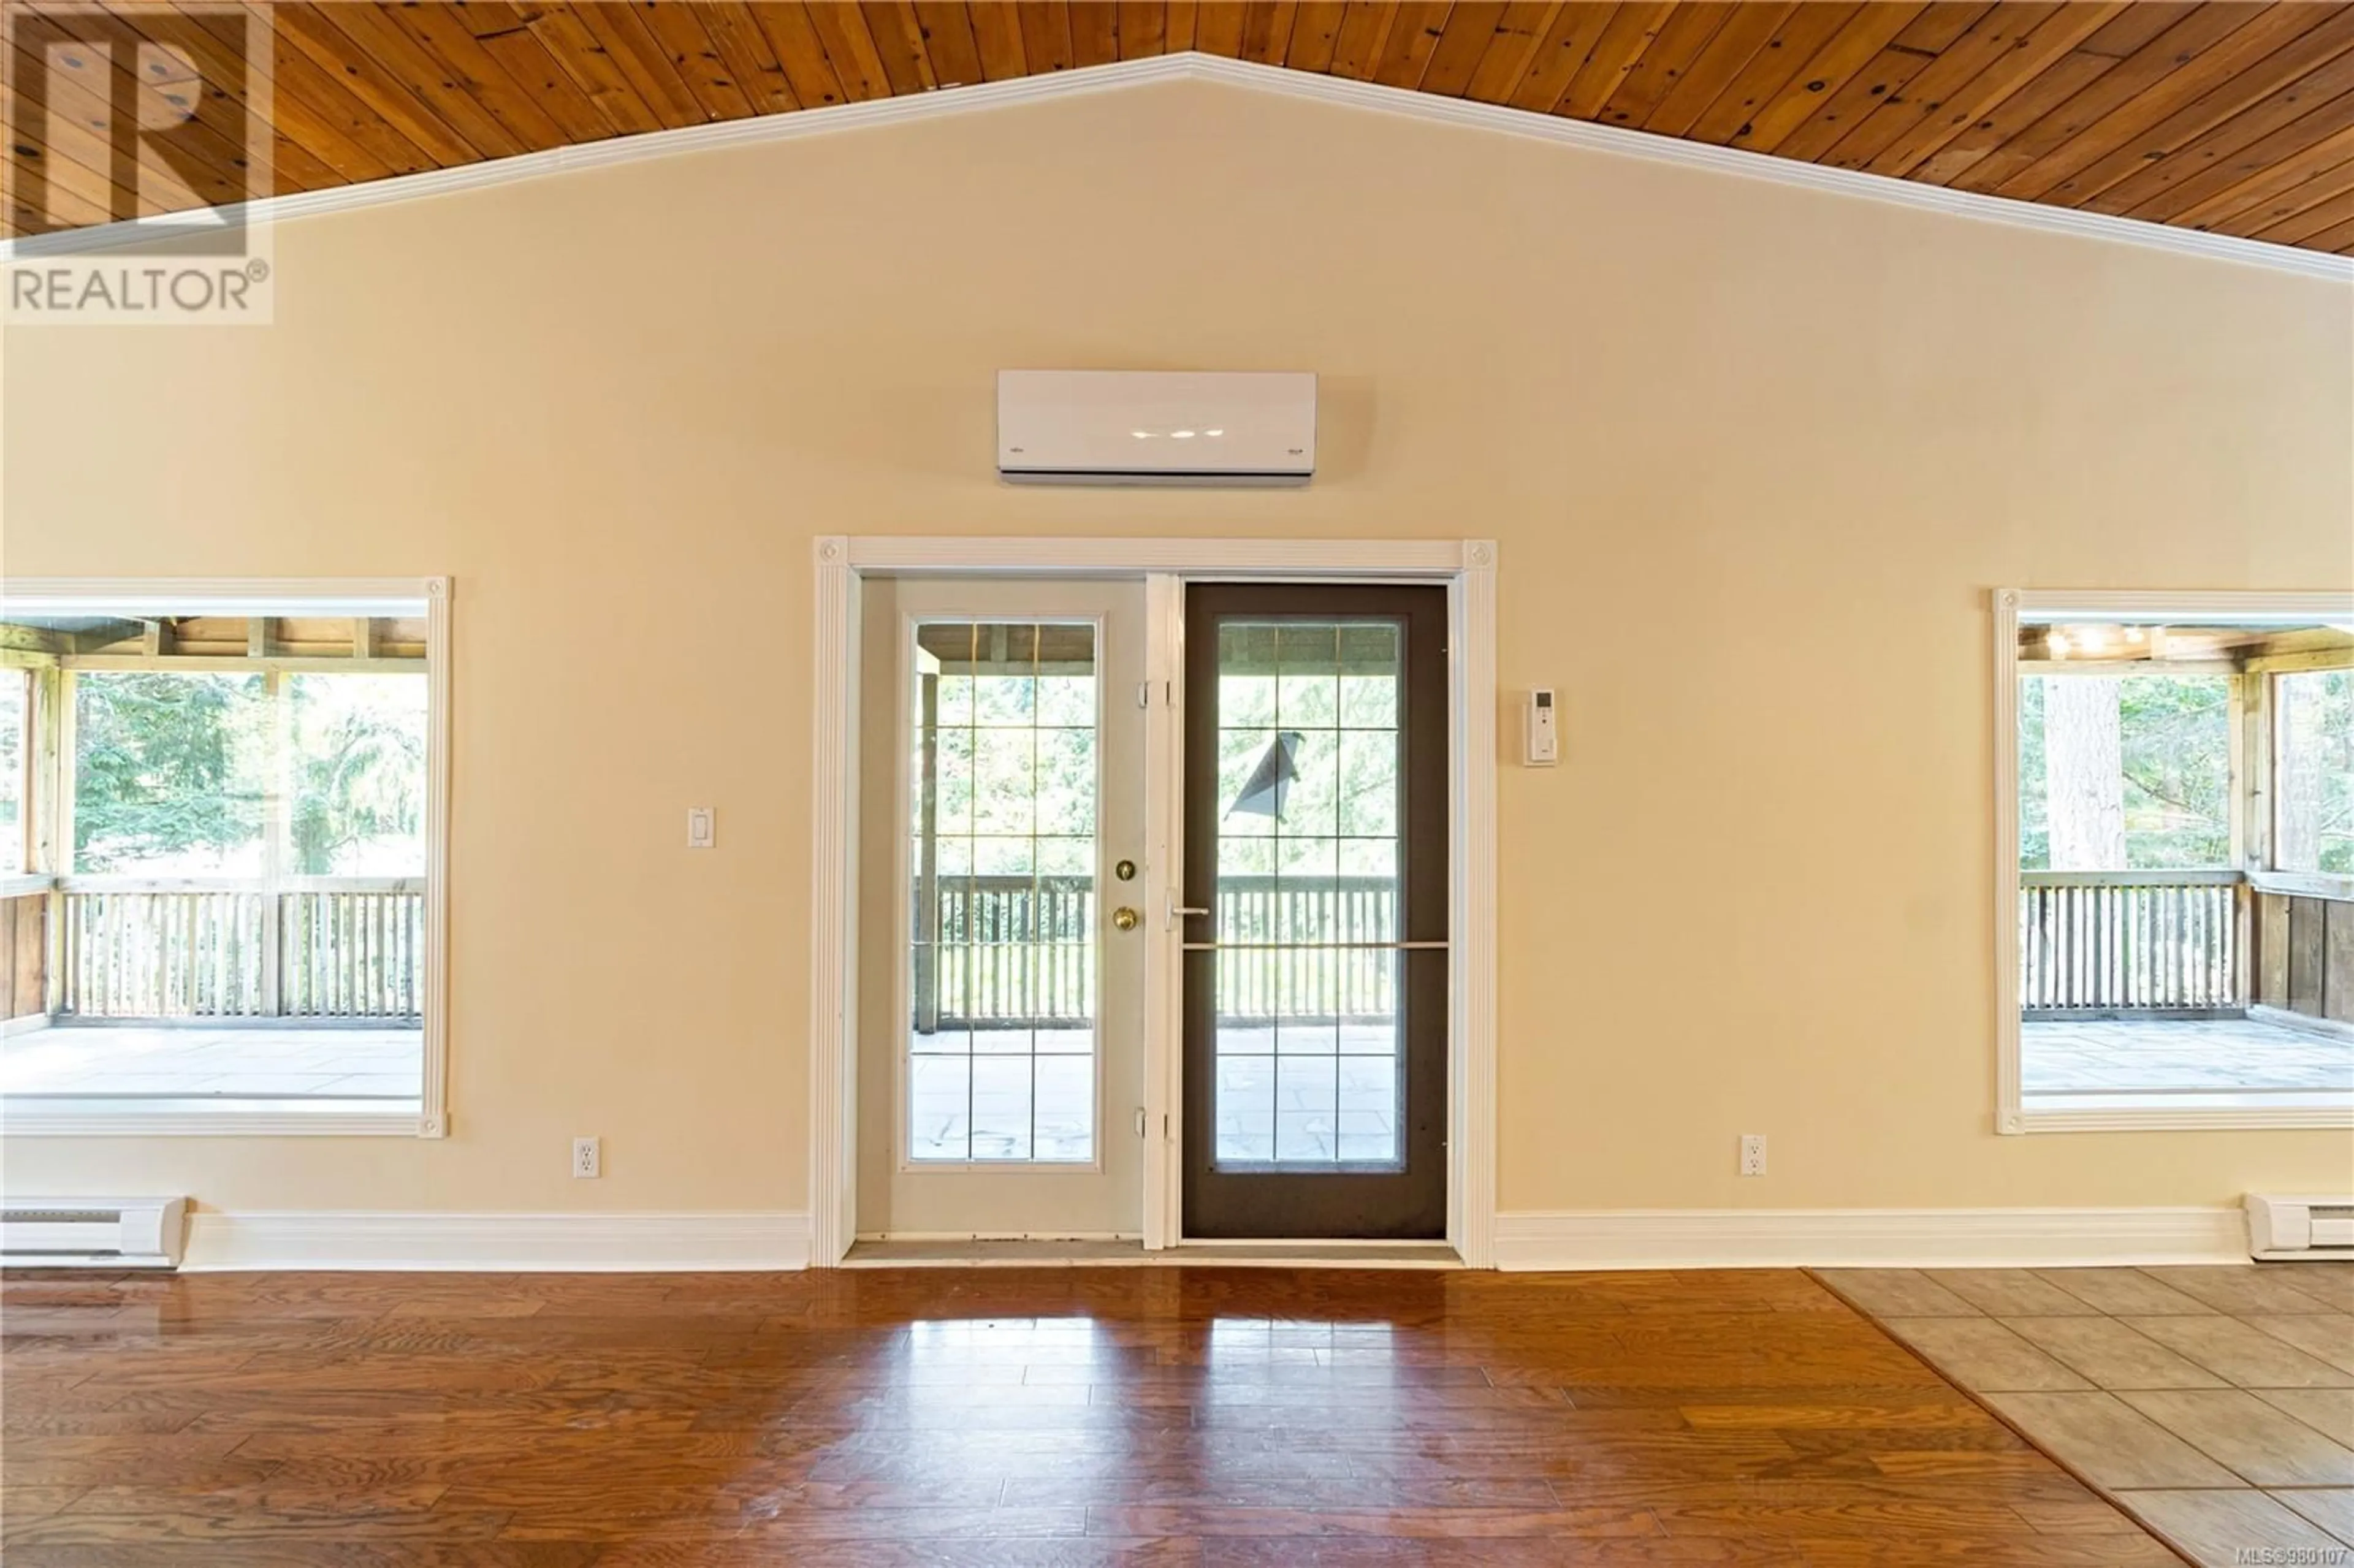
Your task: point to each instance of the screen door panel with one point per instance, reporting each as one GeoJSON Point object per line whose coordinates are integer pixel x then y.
{"type": "Point", "coordinates": [1316, 970]}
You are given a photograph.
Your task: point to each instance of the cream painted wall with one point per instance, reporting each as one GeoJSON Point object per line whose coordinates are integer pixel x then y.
{"type": "Point", "coordinates": [1800, 435]}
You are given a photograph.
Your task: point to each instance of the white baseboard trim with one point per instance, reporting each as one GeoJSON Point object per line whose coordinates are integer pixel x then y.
{"type": "Point", "coordinates": [31, 1023]}
{"type": "Point", "coordinates": [1887, 1238]}
{"type": "Point", "coordinates": [1527, 1240]}
{"type": "Point", "coordinates": [497, 1244]}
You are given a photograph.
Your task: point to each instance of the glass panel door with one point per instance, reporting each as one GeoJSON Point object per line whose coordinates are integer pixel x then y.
{"type": "Point", "coordinates": [1001, 1046]}
{"type": "Point", "coordinates": [1316, 968]}
{"type": "Point", "coordinates": [1307, 905]}
{"type": "Point", "coordinates": [1001, 937]}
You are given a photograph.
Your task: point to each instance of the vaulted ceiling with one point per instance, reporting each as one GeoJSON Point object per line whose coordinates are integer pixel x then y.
{"type": "Point", "coordinates": [2232, 117]}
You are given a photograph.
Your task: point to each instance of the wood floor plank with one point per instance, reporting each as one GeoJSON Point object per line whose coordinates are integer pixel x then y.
{"type": "Point", "coordinates": [1034, 1417]}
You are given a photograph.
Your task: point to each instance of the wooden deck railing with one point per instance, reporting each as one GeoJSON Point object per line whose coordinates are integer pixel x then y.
{"type": "Point", "coordinates": [1016, 952]}
{"type": "Point", "coordinates": [321, 947]}
{"type": "Point", "coordinates": [1260, 982]}
{"type": "Point", "coordinates": [2146, 942]}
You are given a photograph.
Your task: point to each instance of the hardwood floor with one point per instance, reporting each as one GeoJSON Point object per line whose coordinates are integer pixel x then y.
{"type": "Point", "coordinates": [1000, 1416]}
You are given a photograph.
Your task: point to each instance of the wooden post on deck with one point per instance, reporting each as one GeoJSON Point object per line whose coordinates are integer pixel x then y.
{"type": "Point", "coordinates": [926, 965]}
{"type": "Point", "coordinates": [275, 805]}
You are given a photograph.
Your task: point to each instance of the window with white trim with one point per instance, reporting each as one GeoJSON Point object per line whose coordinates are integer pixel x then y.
{"type": "Point", "coordinates": [2180, 779]}
{"type": "Point", "coordinates": [230, 874]}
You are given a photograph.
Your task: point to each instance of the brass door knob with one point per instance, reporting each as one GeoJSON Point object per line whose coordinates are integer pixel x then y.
{"type": "Point", "coordinates": [1125, 918]}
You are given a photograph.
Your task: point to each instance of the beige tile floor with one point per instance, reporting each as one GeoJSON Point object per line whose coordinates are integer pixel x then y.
{"type": "Point", "coordinates": [2216, 1405]}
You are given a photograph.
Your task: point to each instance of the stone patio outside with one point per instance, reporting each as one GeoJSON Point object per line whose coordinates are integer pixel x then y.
{"type": "Point", "coordinates": [209, 1061]}
{"type": "Point", "coordinates": [2158, 1055]}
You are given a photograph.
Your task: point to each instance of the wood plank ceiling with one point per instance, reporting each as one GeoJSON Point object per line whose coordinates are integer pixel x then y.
{"type": "Point", "coordinates": [2231, 116]}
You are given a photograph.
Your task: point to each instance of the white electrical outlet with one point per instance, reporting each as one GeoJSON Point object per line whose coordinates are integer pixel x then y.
{"type": "Point", "coordinates": [1753, 1154]}
{"type": "Point", "coordinates": [587, 1157]}
{"type": "Point", "coordinates": [702, 827]}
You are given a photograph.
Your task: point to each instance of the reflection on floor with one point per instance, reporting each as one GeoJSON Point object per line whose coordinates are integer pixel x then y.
{"type": "Point", "coordinates": [203, 1061]}
{"type": "Point", "coordinates": [1219, 1417]}
{"type": "Point", "coordinates": [2155, 1054]}
{"type": "Point", "coordinates": [2217, 1405]}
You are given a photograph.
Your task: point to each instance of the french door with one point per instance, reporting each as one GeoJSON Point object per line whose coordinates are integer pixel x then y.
{"type": "Point", "coordinates": [1002, 933]}
{"type": "Point", "coordinates": [1004, 936]}
{"type": "Point", "coordinates": [1316, 907]}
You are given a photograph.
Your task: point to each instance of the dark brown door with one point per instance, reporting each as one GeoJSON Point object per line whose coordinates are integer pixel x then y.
{"type": "Point", "coordinates": [1316, 834]}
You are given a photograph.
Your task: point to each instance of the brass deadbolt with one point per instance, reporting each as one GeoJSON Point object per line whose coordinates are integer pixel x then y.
{"type": "Point", "coordinates": [1125, 870]}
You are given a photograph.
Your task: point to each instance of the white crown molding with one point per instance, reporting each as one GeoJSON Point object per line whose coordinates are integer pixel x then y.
{"type": "Point", "coordinates": [635, 149]}
{"type": "Point", "coordinates": [1746, 165]}
{"type": "Point", "coordinates": [1884, 1238]}
{"type": "Point", "coordinates": [594, 1242]}
{"type": "Point", "coordinates": [1194, 67]}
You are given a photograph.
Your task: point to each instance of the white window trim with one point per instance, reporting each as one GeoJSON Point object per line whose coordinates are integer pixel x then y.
{"type": "Point", "coordinates": [1466, 566]}
{"type": "Point", "coordinates": [279, 596]}
{"type": "Point", "coordinates": [2120, 1113]}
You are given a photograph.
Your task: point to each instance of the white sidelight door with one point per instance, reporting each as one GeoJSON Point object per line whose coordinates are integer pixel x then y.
{"type": "Point", "coordinates": [1002, 904]}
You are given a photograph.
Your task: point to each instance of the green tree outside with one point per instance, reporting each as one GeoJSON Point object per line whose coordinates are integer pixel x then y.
{"type": "Point", "coordinates": [170, 767]}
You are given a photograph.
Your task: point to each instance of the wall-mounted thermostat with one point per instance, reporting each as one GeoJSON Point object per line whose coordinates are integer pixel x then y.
{"type": "Point", "coordinates": [1543, 740]}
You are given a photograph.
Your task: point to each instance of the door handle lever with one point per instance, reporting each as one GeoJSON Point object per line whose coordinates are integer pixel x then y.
{"type": "Point", "coordinates": [1178, 912]}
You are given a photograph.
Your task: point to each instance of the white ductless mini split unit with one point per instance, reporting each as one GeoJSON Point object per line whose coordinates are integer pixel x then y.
{"type": "Point", "coordinates": [91, 1233]}
{"type": "Point", "coordinates": [1154, 427]}
{"type": "Point", "coordinates": [2296, 1230]}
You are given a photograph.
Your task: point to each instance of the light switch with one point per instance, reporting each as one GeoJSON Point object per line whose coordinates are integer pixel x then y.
{"type": "Point", "coordinates": [701, 826]}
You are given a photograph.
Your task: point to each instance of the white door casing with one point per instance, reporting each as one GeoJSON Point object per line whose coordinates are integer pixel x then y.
{"type": "Point", "coordinates": [1467, 567]}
